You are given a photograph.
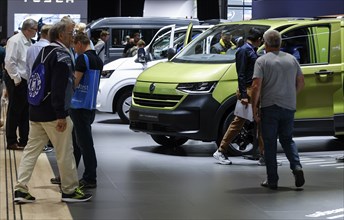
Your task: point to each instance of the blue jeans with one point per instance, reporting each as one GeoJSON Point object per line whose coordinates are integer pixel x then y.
{"type": "Point", "coordinates": [83, 142]}
{"type": "Point", "coordinates": [276, 123]}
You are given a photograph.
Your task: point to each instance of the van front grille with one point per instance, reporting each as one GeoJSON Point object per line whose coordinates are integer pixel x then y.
{"type": "Point", "coordinates": [156, 100]}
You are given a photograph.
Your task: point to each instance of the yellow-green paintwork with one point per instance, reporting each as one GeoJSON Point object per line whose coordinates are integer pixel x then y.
{"type": "Point", "coordinates": [169, 72]}
{"type": "Point", "coordinates": [323, 96]}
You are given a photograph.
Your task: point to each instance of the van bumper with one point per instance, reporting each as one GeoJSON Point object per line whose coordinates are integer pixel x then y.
{"type": "Point", "coordinates": [193, 119]}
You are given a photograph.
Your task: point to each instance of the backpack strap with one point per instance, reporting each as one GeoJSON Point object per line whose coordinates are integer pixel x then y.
{"type": "Point", "coordinates": [44, 59]}
{"type": "Point", "coordinates": [101, 49]}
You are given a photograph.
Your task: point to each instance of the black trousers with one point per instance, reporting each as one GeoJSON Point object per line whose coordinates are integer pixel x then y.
{"type": "Point", "coordinates": [83, 142]}
{"type": "Point", "coordinates": [17, 112]}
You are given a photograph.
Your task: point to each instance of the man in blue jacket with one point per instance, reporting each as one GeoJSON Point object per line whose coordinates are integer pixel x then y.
{"type": "Point", "coordinates": [245, 58]}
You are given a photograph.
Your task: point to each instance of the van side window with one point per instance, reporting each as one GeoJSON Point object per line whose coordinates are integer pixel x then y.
{"type": "Point", "coordinates": [309, 45]}
{"type": "Point", "coordinates": [160, 47]}
{"type": "Point", "coordinates": [322, 44]}
{"type": "Point", "coordinates": [117, 37]}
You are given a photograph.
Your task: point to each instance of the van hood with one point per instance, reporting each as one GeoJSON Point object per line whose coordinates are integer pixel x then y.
{"type": "Point", "coordinates": [116, 63]}
{"type": "Point", "coordinates": [169, 72]}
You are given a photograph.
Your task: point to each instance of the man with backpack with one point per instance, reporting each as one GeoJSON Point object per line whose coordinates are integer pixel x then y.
{"type": "Point", "coordinates": [31, 56]}
{"type": "Point", "coordinates": [49, 117]}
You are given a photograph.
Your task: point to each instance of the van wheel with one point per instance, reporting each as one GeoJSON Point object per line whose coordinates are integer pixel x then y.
{"type": "Point", "coordinates": [123, 106]}
{"type": "Point", "coordinates": [243, 142]}
{"type": "Point", "coordinates": [169, 141]}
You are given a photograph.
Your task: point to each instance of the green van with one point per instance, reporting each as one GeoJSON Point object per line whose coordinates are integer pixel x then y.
{"type": "Point", "coordinates": [192, 96]}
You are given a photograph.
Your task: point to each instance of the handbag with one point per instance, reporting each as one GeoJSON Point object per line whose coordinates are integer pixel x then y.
{"type": "Point", "coordinates": [85, 95]}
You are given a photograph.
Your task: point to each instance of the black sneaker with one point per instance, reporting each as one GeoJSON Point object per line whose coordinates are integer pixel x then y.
{"type": "Point", "coordinates": [269, 185]}
{"type": "Point", "coordinates": [77, 196]}
{"type": "Point", "coordinates": [261, 161]}
{"type": "Point", "coordinates": [21, 197]}
{"type": "Point", "coordinates": [251, 157]}
{"type": "Point", "coordinates": [299, 178]}
{"type": "Point", "coordinates": [47, 149]}
{"type": "Point", "coordinates": [87, 185]}
{"type": "Point", "coordinates": [56, 180]}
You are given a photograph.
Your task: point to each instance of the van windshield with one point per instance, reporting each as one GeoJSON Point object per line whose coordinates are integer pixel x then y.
{"type": "Point", "coordinates": [217, 45]}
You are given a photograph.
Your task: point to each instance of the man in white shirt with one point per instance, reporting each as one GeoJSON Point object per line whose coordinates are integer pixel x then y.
{"type": "Point", "coordinates": [100, 46]}
{"type": "Point", "coordinates": [16, 84]}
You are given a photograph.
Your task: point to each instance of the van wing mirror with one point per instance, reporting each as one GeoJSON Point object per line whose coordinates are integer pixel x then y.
{"type": "Point", "coordinates": [141, 55]}
{"type": "Point", "coordinates": [170, 53]}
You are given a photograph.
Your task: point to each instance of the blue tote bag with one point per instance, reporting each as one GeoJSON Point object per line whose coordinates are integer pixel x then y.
{"type": "Point", "coordinates": [85, 95]}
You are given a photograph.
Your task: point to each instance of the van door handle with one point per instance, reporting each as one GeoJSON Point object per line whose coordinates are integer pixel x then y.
{"type": "Point", "coordinates": [324, 72]}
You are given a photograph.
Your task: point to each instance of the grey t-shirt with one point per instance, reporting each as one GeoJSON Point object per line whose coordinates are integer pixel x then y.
{"type": "Point", "coordinates": [278, 71]}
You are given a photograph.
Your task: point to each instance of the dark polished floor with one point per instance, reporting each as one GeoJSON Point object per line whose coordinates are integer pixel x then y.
{"type": "Point", "coordinates": [137, 179]}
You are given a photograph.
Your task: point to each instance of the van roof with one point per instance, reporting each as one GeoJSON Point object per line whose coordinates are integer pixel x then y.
{"type": "Point", "coordinates": [142, 21]}
{"type": "Point", "coordinates": [275, 22]}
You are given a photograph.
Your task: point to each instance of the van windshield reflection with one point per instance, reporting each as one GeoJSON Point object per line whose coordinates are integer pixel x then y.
{"type": "Point", "coordinates": [216, 45]}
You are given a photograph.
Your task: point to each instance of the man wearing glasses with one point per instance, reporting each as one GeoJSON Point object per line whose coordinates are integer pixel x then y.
{"type": "Point", "coordinates": [50, 120]}
{"type": "Point", "coordinates": [16, 83]}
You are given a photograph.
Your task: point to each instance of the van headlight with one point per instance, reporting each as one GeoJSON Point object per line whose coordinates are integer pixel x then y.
{"type": "Point", "coordinates": [106, 73]}
{"type": "Point", "coordinates": [200, 87]}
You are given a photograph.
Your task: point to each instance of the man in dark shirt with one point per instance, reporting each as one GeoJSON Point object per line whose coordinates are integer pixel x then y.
{"type": "Point", "coordinates": [84, 117]}
{"type": "Point", "coordinates": [245, 58]}
{"type": "Point", "coordinates": [132, 42]}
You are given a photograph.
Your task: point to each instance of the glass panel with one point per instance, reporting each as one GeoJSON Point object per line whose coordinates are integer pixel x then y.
{"type": "Point", "coordinates": [308, 45]}
{"type": "Point", "coordinates": [322, 43]}
{"type": "Point", "coordinates": [297, 43]}
{"type": "Point", "coordinates": [200, 50]}
{"type": "Point", "coordinates": [240, 2]}
{"type": "Point", "coordinates": [235, 14]}
{"type": "Point", "coordinates": [239, 13]}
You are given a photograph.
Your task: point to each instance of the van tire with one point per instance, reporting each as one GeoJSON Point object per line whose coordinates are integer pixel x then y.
{"type": "Point", "coordinates": [123, 106]}
{"type": "Point", "coordinates": [169, 141]}
{"type": "Point", "coordinates": [245, 136]}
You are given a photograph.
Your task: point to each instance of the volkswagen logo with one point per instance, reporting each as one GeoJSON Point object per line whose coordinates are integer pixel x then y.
{"type": "Point", "coordinates": [151, 87]}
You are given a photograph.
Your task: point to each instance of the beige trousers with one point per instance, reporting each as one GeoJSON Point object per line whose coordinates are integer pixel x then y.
{"type": "Point", "coordinates": [236, 126]}
{"type": "Point", "coordinates": [39, 134]}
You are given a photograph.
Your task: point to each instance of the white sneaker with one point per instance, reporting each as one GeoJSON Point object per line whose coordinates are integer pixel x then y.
{"type": "Point", "coordinates": [221, 158]}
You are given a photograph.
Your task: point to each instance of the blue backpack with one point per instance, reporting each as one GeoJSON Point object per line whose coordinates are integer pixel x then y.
{"type": "Point", "coordinates": [36, 84]}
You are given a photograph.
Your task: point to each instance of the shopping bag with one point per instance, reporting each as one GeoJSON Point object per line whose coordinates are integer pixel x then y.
{"type": "Point", "coordinates": [85, 95]}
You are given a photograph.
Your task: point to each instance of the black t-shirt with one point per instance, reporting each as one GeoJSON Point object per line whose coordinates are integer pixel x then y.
{"type": "Point", "coordinates": [95, 62]}
{"type": "Point", "coordinates": [127, 47]}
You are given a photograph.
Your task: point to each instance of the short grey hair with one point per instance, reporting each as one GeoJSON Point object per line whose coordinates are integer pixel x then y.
{"type": "Point", "coordinates": [56, 29]}
{"type": "Point", "coordinates": [28, 24]}
{"type": "Point", "coordinates": [272, 38]}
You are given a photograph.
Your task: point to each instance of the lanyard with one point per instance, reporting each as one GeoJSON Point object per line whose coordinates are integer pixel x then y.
{"type": "Point", "coordinates": [250, 46]}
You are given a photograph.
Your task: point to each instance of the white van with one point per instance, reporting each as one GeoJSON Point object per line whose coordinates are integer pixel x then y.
{"type": "Point", "coordinates": [120, 27]}
{"type": "Point", "coordinates": [119, 76]}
